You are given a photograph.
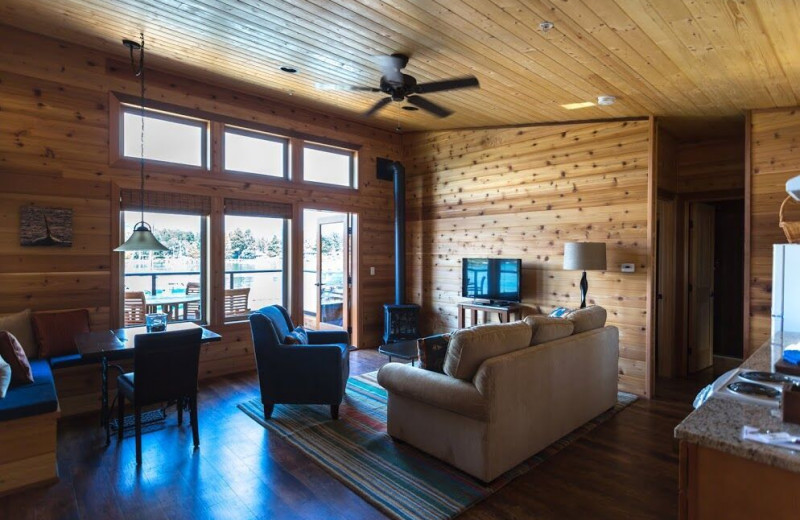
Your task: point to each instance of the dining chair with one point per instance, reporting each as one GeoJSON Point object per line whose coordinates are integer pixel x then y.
{"type": "Point", "coordinates": [166, 367]}
{"type": "Point", "coordinates": [135, 308]}
{"type": "Point", "coordinates": [193, 308]}
{"type": "Point", "coordinates": [237, 302]}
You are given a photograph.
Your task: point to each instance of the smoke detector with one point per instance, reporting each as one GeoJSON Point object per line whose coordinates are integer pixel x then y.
{"type": "Point", "coordinates": [605, 100]}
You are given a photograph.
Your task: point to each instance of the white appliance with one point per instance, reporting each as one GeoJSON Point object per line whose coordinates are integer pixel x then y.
{"type": "Point", "coordinates": [785, 290]}
{"type": "Point", "coordinates": [751, 386]}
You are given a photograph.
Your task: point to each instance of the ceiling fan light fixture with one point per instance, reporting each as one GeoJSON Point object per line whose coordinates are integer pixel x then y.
{"type": "Point", "coordinates": [576, 106]}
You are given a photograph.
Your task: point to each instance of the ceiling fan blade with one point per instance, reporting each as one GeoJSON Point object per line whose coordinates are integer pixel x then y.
{"type": "Point", "coordinates": [364, 89]}
{"type": "Point", "coordinates": [447, 84]}
{"type": "Point", "coordinates": [391, 66]}
{"type": "Point", "coordinates": [429, 106]}
{"type": "Point", "coordinates": [339, 88]}
{"type": "Point", "coordinates": [377, 106]}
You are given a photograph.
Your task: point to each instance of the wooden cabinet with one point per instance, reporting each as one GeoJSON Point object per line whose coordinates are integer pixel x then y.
{"type": "Point", "coordinates": [715, 485]}
{"type": "Point", "coordinates": [504, 312]}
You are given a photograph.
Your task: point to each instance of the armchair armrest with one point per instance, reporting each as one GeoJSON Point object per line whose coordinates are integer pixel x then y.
{"type": "Point", "coordinates": [439, 390]}
{"type": "Point", "coordinates": [318, 337]}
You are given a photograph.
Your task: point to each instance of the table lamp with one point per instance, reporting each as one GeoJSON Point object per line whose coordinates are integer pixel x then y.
{"type": "Point", "coordinates": [584, 256]}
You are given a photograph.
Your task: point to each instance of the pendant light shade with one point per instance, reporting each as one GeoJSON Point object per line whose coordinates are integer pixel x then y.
{"type": "Point", "coordinates": [142, 238]}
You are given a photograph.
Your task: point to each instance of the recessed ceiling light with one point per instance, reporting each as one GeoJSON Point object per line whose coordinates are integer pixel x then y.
{"type": "Point", "coordinates": [576, 106]}
{"type": "Point", "coordinates": [606, 100]}
{"type": "Point", "coordinates": [409, 108]}
{"type": "Point", "coordinates": [546, 26]}
{"type": "Point", "coordinates": [290, 70]}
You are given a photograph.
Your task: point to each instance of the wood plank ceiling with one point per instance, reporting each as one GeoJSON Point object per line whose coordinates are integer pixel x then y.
{"type": "Point", "coordinates": [680, 58]}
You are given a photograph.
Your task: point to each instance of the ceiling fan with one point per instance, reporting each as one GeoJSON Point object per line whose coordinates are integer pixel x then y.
{"type": "Point", "coordinates": [401, 86]}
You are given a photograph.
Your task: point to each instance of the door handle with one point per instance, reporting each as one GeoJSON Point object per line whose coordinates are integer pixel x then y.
{"type": "Point", "coordinates": [319, 284]}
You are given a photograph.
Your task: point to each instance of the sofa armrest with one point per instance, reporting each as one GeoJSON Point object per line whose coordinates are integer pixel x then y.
{"type": "Point", "coordinates": [434, 389]}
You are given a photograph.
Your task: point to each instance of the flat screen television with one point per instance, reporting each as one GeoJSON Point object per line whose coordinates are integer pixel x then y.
{"type": "Point", "coordinates": [493, 279]}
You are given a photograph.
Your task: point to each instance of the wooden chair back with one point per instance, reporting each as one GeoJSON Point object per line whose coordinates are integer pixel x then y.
{"type": "Point", "coordinates": [237, 302]}
{"type": "Point", "coordinates": [135, 308]}
{"type": "Point", "coordinates": [193, 308]}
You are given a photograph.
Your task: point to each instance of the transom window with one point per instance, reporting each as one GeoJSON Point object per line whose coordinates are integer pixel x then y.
{"type": "Point", "coordinates": [168, 138]}
{"type": "Point", "coordinates": [328, 165]}
{"type": "Point", "coordinates": [255, 152]}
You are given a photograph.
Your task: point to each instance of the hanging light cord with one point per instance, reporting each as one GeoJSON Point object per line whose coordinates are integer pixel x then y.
{"type": "Point", "coordinates": [139, 72]}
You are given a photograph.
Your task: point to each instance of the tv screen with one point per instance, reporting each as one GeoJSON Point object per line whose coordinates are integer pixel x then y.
{"type": "Point", "coordinates": [494, 279]}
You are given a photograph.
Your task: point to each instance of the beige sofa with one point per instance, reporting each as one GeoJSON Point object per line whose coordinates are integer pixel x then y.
{"type": "Point", "coordinates": [508, 391]}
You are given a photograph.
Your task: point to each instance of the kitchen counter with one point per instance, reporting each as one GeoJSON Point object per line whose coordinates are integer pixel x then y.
{"type": "Point", "coordinates": [718, 423]}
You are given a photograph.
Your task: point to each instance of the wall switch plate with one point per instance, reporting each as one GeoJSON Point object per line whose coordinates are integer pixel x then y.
{"type": "Point", "coordinates": [628, 268]}
{"type": "Point", "coordinates": [372, 271]}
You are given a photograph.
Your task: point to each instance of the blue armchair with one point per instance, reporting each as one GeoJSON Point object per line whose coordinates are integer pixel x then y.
{"type": "Point", "coordinates": [298, 374]}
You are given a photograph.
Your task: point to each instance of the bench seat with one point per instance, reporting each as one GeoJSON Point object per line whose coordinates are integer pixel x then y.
{"type": "Point", "coordinates": [31, 399]}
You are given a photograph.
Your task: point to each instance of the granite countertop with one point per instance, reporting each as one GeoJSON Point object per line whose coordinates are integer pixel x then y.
{"type": "Point", "coordinates": [718, 423]}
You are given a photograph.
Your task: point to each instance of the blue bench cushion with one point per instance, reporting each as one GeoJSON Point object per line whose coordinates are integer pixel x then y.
{"type": "Point", "coordinates": [69, 360]}
{"type": "Point", "coordinates": [25, 400]}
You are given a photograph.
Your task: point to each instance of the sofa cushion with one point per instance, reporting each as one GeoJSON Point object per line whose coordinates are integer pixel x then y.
{"type": "Point", "coordinates": [546, 329]}
{"type": "Point", "coordinates": [432, 351]}
{"type": "Point", "coordinates": [55, 331]}
{"type": "Point", "coordinates": [5, 377]}
{"type": "Point", "coordinates": [469, 348]}
{"type": "Point", "coordinates": [590, 318]}
{"type": "Point", "coordinates": [298, 336]}
{"type": "Point", "coordinates": [19, 324]}
{"type": "Point", "coordinates": [11, 351]}
{"type": "Point", "coordinates": [25, 400]}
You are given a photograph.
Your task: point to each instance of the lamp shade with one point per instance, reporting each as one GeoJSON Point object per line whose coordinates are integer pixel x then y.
{"type": "Point", "coordinates": [585, 256]}
{"type": "Point", "coordinates": [142, 239]}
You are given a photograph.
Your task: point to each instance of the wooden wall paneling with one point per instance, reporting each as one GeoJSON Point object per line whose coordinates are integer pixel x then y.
{"type": "Point", "coordinates": [715, 165]}
{"type": "Point", "coordinates": [748, 181]}
{"type": "Point", "coordinates": [54, 151]}
{"type": "Point", "coordinates": [521, 193]}
{"type": "Point", "coordinates": [28, 456]}
{"type": "Point", "coordinates": [774, 139]}
{"type": "Point", "coordinates": [652, 263]}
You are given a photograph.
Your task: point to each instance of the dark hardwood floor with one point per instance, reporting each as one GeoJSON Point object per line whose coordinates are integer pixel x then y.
{"type": "Point", "coordinates": [626, 468]}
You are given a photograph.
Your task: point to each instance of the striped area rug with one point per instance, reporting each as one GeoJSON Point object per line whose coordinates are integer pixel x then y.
{"type": "Point", "coordinates": [401, 481]}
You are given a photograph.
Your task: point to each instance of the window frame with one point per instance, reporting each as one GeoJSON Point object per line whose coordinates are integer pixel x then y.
{"type": "Point", "coordinates": [205, 265]}
{"type": "Point", "coordinates": [258, 134]}
{"type": "Point", "coordinates": [321, 147]}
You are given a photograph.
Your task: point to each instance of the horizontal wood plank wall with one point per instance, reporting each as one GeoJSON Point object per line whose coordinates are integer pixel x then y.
{"type": "Point", "coordinates": [774, 159]}
{"type": "Point", "coordinates": [522, 193]}
{"type": "Point", "coordinates": [711, 166]}
{"type": "Point", "coordinates": [54, 151]}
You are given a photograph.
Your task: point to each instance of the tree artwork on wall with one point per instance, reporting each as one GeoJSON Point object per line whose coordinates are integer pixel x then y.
{"type": "Point", "coordinates": [45, 226]}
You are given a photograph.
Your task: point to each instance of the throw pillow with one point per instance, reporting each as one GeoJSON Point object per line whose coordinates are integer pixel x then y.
{"type": "Point", "coordinates": [56, 331]}
{"type": "Point", "coordinates": [432, 351]}
{"type": "Point", "coordinates": [11, 351]}
{"type": "Point", "coordinates": [19, 324]}
{"type": "Point", "coordinates": [469, 348]}
{"type": "Point", "coordinates": [5, 377]}
{"type": "Point", "coordinates": [547, 329]}
{"type": "Point", "coordinates": [299, 336]}
{"type": "Point", "coordinates": [559, 312]}
{"type": "Point", "coordinates": [589, 318]}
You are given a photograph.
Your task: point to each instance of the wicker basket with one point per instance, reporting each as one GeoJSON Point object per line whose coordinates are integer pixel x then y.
{"type": "Point", "coordinates": [790, 229]}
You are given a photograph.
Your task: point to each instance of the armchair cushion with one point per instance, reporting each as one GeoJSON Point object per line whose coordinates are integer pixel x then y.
{"type": "Point", "coordinates": [279, 320]}
{"type": "Point", "coordinates": [298, 336]}
{"type": "Point", "coordinates": [547, 329]}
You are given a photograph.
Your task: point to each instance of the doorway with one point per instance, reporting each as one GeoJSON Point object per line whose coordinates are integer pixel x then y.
{"type": "Point", "coordinates": [327, 269]}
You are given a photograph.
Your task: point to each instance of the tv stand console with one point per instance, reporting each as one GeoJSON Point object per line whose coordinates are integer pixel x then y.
{"type": "Point", "coordinates": [504, 312]}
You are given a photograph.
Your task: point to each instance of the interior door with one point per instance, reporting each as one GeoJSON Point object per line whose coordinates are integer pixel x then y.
{"type": "Point", "coordinates": [701, 287]}
{"type": "Point", "coordinates": [333, 248]}
{"type": "Point", "coordinates": [666, 294]}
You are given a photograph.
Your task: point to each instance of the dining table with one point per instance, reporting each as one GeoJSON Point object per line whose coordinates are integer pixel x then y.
{"type": "Point", "coordinates": [117, 344]}
{"type": "Point", "coordinates": [176, 306]}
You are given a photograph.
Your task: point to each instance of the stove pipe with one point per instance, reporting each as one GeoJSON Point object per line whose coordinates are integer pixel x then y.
{"type": "Point", "coordinates": [399, 233]}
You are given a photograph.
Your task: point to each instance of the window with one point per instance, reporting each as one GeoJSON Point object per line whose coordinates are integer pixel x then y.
{"type": "Point", "coordinates": [254, 152]}
{"type": "Point", "coordinates": [329, 165]}
{"type": "Point", "coordinates": [167, 137]}
{"type": "Point", "coordinates": [255, 256]}
{"type": "Point", "coordinates": [165, 281]}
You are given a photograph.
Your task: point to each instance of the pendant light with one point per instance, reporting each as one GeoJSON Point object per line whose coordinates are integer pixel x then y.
{"type": "Point", "coordinates": [142, 238]}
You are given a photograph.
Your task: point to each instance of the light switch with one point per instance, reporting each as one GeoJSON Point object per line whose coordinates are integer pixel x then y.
{"type": "Point", "coordinates": [628, 268]}
{"type": "Point", "coordinates": [372, 271]}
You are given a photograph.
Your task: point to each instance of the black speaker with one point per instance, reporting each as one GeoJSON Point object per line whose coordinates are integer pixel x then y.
{"type": "Point", "coordinates": [385, 171]}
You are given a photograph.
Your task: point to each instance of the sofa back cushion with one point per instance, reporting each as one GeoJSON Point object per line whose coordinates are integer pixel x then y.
{"type": "Point", "coordinates": [55, 331]}
{"type": "Point", "coordinates": [469, 348]}
{"type": "Point", "coordinates": [19, 324]}
{"type": "Point", "coordinates": [12, 353]}
{"type": "Point", "coordinates": [590, 318]}
{"type": "Point", "coordinates": [545, 328]}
